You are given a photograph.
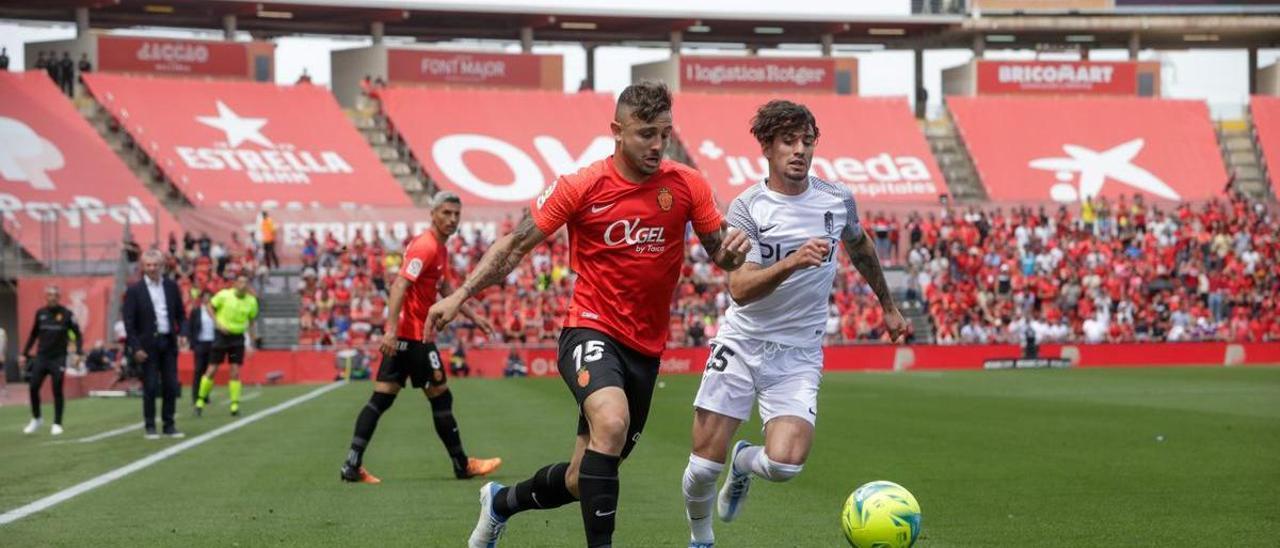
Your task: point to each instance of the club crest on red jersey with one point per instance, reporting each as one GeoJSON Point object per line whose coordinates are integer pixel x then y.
{"type": "Point", "coordinates": [665, 199]}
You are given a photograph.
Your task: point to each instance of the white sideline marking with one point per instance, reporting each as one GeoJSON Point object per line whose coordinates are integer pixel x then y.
{"type": "Point", "coordinates": [138, 426]}
{"type": "Point", "coordinates": [109, 433]}
{"type": "Point", "coordinates": [86, 486]}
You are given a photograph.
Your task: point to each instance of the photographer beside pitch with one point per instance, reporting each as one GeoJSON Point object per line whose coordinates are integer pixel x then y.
{"type": "Point", "coordinates": [769, 352]}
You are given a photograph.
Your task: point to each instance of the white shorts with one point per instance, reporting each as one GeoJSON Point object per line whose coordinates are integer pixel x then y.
{"type": "Point", "coordinates": [741, 371]}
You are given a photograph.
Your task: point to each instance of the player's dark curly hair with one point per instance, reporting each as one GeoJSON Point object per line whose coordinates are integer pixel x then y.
{"type": "Point", "coordinates": [646, 100]}
{"type": "Point", "coordinates": [778, 117]}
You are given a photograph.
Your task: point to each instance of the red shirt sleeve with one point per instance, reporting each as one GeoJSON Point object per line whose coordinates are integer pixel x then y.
{"type": "Point", "coordinates": [704, 215]}
{"type": "Point", "coordinates": [557, 203]}
{"type": "Point", "coordinates": [420, 254]}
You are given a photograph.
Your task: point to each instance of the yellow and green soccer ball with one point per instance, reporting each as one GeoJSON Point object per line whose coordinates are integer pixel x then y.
{"type": "Point", "coordinates": [881, 514]}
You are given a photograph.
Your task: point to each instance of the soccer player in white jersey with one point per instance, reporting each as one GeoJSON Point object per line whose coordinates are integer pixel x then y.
{"type": "Point", "coordinates": [769, 350]}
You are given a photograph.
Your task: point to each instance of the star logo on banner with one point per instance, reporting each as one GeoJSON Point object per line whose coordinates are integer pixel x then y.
{"type": "Point", "coordinates": [1096, 167]}
{"type": "Point", "coordinates": [238, 129]}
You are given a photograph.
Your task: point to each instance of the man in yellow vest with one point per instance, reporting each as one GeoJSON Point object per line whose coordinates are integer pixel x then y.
{"type": "Point", "coordinates": [234, 310]}
{"type": "Point", "coordinates": [267, 230]}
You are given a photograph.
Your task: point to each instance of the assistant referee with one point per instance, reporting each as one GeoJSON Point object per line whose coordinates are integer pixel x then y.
{"type": "Point", "coordinates": [234, 310]}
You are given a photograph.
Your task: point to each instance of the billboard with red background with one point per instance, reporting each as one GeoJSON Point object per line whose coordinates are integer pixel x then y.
{"type": "Point", "coordinates": [1062, 149]}
{"type": "Point", "coordinates": [455, 67]}
{"type": "Point", "coordinates": [60, 184]}
{"type": "Point", "coordinates": [1057, 77]}
{"type": "Point", "coordinates": [173, 56]}
{"type": "Point", "coordinates": [871, 145]}
{"type": "Point", "coordinates": [86, 297]}
{"type": "Point", "coordinates": [499, 147]}
{"type": "Point", "coordinates": [245, 145]}
{"type": "Point", "coordinates": [757, 73]}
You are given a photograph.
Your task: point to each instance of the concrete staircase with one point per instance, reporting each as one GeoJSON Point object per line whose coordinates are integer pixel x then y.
{"type": "Point", "coordinates": [138, 161]}
{"type": "Point", "coordinates": [1240, 152]}
{"type": "Point", "coordinates": [953, 159]}
{"type": "Point", "coordinates": [279, 309]}
{"type": "Point", "coordinates": [391, 149]}
{"type": "Point", "coordinates": [912, 311]}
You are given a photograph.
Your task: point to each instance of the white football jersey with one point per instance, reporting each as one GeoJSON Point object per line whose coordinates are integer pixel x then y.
{"type": "Point", "coordinates": [795, 314]}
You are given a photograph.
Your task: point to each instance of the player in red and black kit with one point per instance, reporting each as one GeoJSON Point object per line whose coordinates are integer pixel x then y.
{"type": "Point", "coordinates": [408, 350]}
{"type": "Point", "coordinates": [626, 216]}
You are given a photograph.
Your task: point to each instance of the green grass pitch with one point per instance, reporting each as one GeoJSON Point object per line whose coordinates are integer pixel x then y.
{"type": "Point", "coordinates": [1009, 458]}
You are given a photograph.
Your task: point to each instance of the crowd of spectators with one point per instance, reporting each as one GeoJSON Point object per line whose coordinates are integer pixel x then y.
{"type": "Point", "coordinates": [1114, 271]}
{"type": "Point", "coordinates": [201, 264]}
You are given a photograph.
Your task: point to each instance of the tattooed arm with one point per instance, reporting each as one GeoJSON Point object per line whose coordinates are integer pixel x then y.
{"type": "Point", "coordinates": [497, 263]}
{"type": "Point", "coordinates": [862, 253]}
{"type": "Point", "coordinates": [467, 310]}
{"type": "Point", "coordinates": [727, 248]}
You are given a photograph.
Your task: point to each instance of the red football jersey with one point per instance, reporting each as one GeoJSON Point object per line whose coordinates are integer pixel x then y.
{"type": "Point", "coordinates": [626, 244]}
{"type": "Point", "coordinates": [423, 266]}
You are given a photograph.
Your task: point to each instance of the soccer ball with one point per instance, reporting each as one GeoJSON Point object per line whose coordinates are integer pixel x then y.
{"type": "Point", "coordinates": [881, 514]}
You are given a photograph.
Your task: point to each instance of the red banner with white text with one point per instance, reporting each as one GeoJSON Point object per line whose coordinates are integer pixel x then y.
{"type": "Point", "coordinates": [293, 226]}
{"type": "Point", "coordinates": [756, 74]}
{"type": "Point", "coordinates": [1066, 148]}
{"type": "Point", "coordinates": [86, 297]}
{"type": "Point", "coordinates": [456, 67]}
{"type": "Point", "coordinates": [246, 145]}
{"type": "Point", "coordinates": [497, 147]}
{"type": "Point", "coordinates": [172, 56]}
{"type": "Point", "coordinates": [1058, 77]}
{"type": "Point", "coordinates": [871, 145]}
{"type": "Point", "coordinates": [1265, 112]}
{"type": "Point", "coordinates": [63, 193]}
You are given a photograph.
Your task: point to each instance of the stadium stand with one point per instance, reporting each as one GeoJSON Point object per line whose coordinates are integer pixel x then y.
{"type": "Point", "coordinates": [66, 196]}
{"type": "Point", "coordinates": [243, 145]}
{"type": "Point", "coordinates": [1118, 271]}
{"type": "Point", "coordinates": [1062, 149]}
{"type": "Point", "coordinates": [1265, 112]}
{"type": "Point", "coordinates": [1123, 270]}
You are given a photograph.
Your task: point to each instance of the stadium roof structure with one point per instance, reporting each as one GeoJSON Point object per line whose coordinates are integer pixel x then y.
{"type": "Point", "coordinates": [430, 21]}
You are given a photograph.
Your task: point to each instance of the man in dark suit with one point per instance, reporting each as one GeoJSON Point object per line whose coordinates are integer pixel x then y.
{"type": "Point", "coordinates": [153, 320]}
{"type": "Point", "coordinates": [200, 332]}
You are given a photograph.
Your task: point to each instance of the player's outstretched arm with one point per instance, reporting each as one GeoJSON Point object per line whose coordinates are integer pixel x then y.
{"type": "Point", "coordinates": [499, 261]}
{"type": "Point", "coordinates": [862, 253]}
{"type": "Point", "coordinates": [727, 246]}
{"type": "Point", "coordinates": [467, 310]}
{"type": "Point", "coordinates": [753, 282]}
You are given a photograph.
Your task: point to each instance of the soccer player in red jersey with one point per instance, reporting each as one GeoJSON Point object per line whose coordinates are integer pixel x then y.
{"type": "Point", "coordinates": [408, 351]}
{"type": "Point", "coordinates": [626, 217]}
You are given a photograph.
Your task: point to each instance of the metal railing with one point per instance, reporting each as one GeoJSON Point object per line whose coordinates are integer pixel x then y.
{"type": "Point", "coordinates": [59, 249]}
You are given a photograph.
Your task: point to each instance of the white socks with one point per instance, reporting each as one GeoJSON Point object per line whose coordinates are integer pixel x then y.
{"type": "Point", "coordinates": [700, 495]}
{"type": "Point", "coordinates": [754, 459]}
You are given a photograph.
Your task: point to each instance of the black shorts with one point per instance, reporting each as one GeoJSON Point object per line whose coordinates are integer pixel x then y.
{"type": "Point", "coordinates": [590, 360]}
{"type": "Point", "coordinates": [53, 367]}
{"type": "Point", "coordinates": [414, 360]}
{"type": "Point", "coordinates": [227, 346]}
